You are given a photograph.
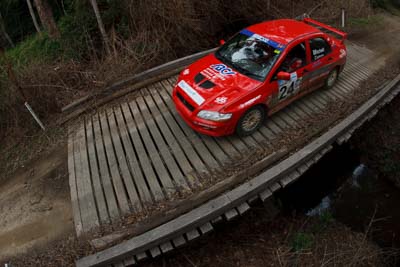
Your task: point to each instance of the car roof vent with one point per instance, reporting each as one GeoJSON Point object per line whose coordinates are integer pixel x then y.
{"type": "Point", "coordinates": [198, 78]}
{"type": "Point", "coordinates": [207, 85]}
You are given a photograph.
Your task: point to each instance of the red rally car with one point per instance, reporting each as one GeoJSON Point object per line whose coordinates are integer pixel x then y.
{"type": "Point", "coordinates": [259, 71]}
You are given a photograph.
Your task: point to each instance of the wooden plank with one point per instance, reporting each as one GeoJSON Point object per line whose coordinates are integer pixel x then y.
{"type": "Point", "coordinates": [259, 138]}
{"type": "Point", "coordinates": [127, 179]}
{"type": "Point", "coordinates": [304, 108]}
{"type": "Point", "coordinates": [193, 234]}
{"type": "Point", "coordinates": [155, 252]}
{"type": "Point", "coordinates": [205, 228]}
{"type": "Point", "coordinates": [130, 261]}
{"type": "Point", "coordinates": [104, 172]}
{"type": "Point", "coordinates": [311, 100]}
{"type": "Point", "coordinates": [239, 144]}
{"type": "Point", "coordinates": [173, 144]}
{"type": "Point", "coordinates": [217, 220]}
{"type": "Point", "coordinates": [317, 97]}
{"type": "Point", "coordinates": [295, 107]}
{"type": "Point", "coordinates": [277, 118]}
{"type": "Point", "coordinates": [166, 247]}
{"type": "Point", "coordinates": [133, 162]}
{"type": "Point", "coordinates": [175, 179]}
{"type": "Point", "coordinates": [250, 142]}
{"type": "Point", "coordinates": [228, 148]}
{"type": "Point", "coordinates": [89, 215]}
{"type": "Point", "coordinates": [230, 214]}
{"type": "Point", "coordinates": [113, 165]}
{"type": "Point", "coordinates": [144, 159]}
{"type": "Point", "coordinates": [293, 113]}
{"type": "Point", "coordinates": [203, 152]}
{"type": "Point", "coordinates": [155, 158]}
{"type": "Point", "coordinates": [215, 149]}
{"type": "Point", "coordinates": [179, 241]}
{"type": "Point", "coordinates": [274, 187]}
{"type": "Point", "coordinates": [189, 150]}
{"type": "Point", "coordinates": [73, 185]}
{"type": "Point", "coordinates": [242, 208]}
{"type": "Point", "coordinates": [307, 101]}
{"type": "Point", "coordinates": [267, 133]}
{"type": "Point", "coordinates": [264, 195]}
{"type": "Point", "coordinates": [270, 124]}
{"type": "Point", "coordinates": [94, 170]}
{"type": "Point", "coordinates": [285, 116]}
{"type": "Point", "coordinates": [141, 256]}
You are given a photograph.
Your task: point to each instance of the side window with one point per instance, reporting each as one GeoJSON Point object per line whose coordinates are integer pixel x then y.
{"type": "Point", "coordinates": [295, 59]}
{"type": "Point", "coordinates": [319, 48]}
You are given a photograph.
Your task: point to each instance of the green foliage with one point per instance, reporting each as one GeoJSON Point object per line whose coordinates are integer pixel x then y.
{"type": "Point", "coordinates": [372, 20]}
{"type": "Point", "coordinates": [74, 43]}
{"type": "Point", "coordinates": [33, 49]}
{"type": "Point", "coordinates": [302, 241]}
{"type": "Point", "coordinates": [326, 218]}
{"type": "Point", "coordinates": [76, 31]}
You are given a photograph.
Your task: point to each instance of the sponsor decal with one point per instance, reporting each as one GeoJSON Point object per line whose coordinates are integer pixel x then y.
{"type": "Point", "coordinates": [289, 88]}
{"type": "Point", "coordinates": [318, 51]}
{"type": "Point", "coordinates": [223, 69]}
{"type": "Point", "coordinates": [276, 45]}
{"type": "Point", "coordinates": [186, 72]}
{"type": "Point", "coordinates": [221, 100]}
{"type": "Point", "coordinates": [343, 53]}
{"type": "Point", "coordinates": [196, 97]}
{"type": "Point", "coordinates": [317, 63]}
{"type": "Point", "coordinates": [249, 102]}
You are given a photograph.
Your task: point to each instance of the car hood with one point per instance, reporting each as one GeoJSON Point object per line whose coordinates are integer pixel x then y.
{"type": "Point", "coordinates": [217, 83]}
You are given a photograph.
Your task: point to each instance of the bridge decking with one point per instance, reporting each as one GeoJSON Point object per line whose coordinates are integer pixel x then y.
{"type": "Point", "coordinates": [139, 153]}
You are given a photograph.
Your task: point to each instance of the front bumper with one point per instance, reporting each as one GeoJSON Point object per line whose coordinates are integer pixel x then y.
{"type": "Point", "coordinates": [200, 125]}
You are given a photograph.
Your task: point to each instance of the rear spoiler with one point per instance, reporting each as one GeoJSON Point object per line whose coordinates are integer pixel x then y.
{"type": "Point", "coordinates": [320, 25]}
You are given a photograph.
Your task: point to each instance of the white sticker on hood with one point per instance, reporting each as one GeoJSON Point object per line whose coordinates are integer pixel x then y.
{"type": "Point", "coordinates": [196, 97]}
{"type": "Point", "coordinates": [221, 100]}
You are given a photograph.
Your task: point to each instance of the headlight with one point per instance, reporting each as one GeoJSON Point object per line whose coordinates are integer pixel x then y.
{"type": "Point", "coordinates": [214, 116]}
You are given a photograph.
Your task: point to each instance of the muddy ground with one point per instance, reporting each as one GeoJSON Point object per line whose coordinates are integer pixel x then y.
{"type": "Point", "coordinates": [35, 205]}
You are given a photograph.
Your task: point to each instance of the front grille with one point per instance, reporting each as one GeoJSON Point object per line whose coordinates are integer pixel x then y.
{"type": "Point", "coordinates": [183, 100]}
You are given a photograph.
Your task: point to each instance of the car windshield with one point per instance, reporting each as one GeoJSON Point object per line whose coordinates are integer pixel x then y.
{"type": "Point", "coordinates": [250, 54]}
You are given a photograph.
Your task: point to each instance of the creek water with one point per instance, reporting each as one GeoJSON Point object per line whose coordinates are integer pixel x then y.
{"type": "Point", "coordinates": [351, 192]}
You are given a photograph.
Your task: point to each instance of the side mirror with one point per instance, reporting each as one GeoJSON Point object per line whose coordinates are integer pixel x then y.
{"type": "Point", "coordinates": [221, 42]}
{"type": "Point", "coordinates": [283, 76]}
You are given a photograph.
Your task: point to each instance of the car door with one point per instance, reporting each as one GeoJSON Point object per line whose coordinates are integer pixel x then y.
{"type": "Point", "coordinates": [285, 91]}
{"type": "Point", "coordinates": [321, 61]}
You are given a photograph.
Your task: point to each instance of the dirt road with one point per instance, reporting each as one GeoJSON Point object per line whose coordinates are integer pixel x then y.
{"type": "Point", "coordinates": [35, 206]}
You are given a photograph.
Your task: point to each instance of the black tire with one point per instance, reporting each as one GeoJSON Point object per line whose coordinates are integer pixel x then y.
{"type": "Point", "coordinates": [250, 121]}
{"type": "Point", "coordinates": [331, 79]}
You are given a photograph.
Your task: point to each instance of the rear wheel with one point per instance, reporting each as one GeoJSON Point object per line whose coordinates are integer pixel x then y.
{"type": "Point", "coordinates": [332, 78]}
{"type": "Point", "coordinates": [250, 121]}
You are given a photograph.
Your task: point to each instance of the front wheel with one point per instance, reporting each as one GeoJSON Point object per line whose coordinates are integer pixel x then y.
{"type": "Point", "coordinates": [250, 121]}
{"type": "Point", "coordinates": [332, 78]}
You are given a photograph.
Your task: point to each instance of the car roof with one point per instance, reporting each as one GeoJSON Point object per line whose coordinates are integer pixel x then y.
{"type": "Point", "coordinates": [283, 30]}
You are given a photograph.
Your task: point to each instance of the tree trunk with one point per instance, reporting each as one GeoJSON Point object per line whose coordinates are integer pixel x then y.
{"type": "Point", "coordinates": [4, 32]}
{"type": "Point", "coordinates": [47, 18]}
{"type": "Point", "coordinates": [101, 25]}
{"type": "Point", "coordinates": [33, 16]}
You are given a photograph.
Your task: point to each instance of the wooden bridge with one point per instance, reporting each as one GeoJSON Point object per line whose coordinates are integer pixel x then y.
{"type": "Point", "coordinates": [137, 157]}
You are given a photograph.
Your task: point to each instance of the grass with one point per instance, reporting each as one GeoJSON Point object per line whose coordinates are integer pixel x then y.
{"type": "Point", "coordinates": [302, 241]}
{"type": "Point", "coordinates": [365, 22]}
{"type": "Point", "coordinates": [36, 48]}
